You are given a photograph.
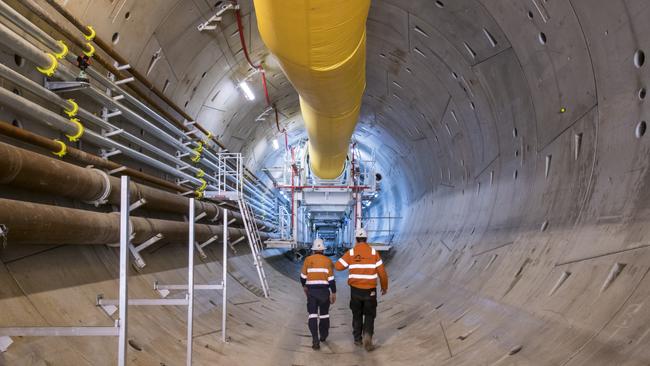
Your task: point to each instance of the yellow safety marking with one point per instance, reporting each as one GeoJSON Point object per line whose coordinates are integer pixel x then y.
{"type": "Point", "coordinates": [73, 111]}
{"type": "Point", "coordinates": [92, 34]}
{"type": "Point", "coordinates": [64, 50]}
{"type": "Point", "coordinates": [91, 52]}
{"type": "Point", "coordinates": [80, 130]}
{"type": "Point", "coordinates": [62, 151]}
{"type": "Point", "coordinates": [198, 194]}
{"type": "Point", "coordinates": [200, 173]}
{"type": "Point", "coordinates": [49, 71]}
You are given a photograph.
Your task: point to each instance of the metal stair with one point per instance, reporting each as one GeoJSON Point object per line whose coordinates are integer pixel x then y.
{"type": "Point", "coordinates": [254, 241]}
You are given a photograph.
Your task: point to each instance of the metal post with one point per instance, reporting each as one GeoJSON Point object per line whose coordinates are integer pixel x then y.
{"type": "Point", "coordinates": [125, 241]}
{"type": "Point", "coordinates": [190, 283]}
{"type": "Point", "coordinates": [225, 275]}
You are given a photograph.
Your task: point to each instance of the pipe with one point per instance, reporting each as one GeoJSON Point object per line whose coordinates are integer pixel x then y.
{"type": "Point", "coordinates": [84, 157]}
{"type": "Point", "coordinates": [90, 159]}
{"type": "Point", "coordinates": [33, 223]}
{"type": "Point", "coordinates": [32, 171]}
{"type": "Point", "coordinates": [24, 107]}
{"type": "Point", "coordinates": [30, 28]}
{"type": "Point", "coordinates": [36, 9]}
{"type": "Point", "coordinates": [35, 55]}
{"type": "Point", "coordinates": [321, 45]}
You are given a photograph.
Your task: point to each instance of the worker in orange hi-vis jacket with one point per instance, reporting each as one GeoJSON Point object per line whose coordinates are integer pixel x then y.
{"type": "Point", "coordinates": [317, 278]}
{"type": "Point", "coordinates": [365, 266]}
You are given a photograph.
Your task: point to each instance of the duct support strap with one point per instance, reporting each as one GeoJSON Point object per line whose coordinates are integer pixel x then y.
{"type": "Point", "coordinates": [321, 45]}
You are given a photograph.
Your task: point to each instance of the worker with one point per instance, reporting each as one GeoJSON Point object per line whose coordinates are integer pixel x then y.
{"type": "Point", "coordinates": [317, 278]}
{"type": "Point", "coordinates": [365, 266]}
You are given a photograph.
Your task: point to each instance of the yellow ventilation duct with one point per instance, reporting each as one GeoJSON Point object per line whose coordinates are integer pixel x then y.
{"type": "Point", "coordinates": [321, 45]}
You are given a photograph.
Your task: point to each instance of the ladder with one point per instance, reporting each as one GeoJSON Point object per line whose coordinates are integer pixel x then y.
{"type": "Point", "coordinates": [254, 241]}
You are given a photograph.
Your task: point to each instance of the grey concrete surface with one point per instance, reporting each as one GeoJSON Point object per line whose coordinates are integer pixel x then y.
{"type": "Point", "coordinates": [507, 133]}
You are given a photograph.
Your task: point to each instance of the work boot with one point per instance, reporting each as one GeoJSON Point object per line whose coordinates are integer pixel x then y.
{"type": "Point", "coordinates": [357, 342]}
{"type": "Point", "coordinates": [315, 346]}
{"type": "Point", "coordinates": [323, 339]}
{"type": "Point", "coordinates": [367, 342]}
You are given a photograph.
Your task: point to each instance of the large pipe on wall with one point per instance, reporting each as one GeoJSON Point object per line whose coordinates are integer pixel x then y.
{"type": "Point", "coordinates": [32, 171]}
{"type": "Point", "coordinates": [321, 45]}
{"type": "Point", "coordinates": [34, 223]}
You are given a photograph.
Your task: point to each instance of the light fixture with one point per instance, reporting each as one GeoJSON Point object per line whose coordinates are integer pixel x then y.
{"type": "Point", "coordinates": [276, 144]}
{"type": "Point", "coordinates": [248, 93]}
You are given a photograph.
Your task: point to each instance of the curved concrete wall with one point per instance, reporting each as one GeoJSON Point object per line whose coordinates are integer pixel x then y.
{"type": "Point", "coordinates": [507, 132]}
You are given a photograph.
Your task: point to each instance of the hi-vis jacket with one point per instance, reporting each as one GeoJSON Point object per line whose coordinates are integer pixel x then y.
{"type": "Point", "coordinates": [318, 272]}
{"type": "Point", "coordinates": [365, 266]}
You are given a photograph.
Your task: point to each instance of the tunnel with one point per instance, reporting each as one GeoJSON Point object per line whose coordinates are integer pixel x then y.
{"type": "Point", "coordinates": [508, 137]}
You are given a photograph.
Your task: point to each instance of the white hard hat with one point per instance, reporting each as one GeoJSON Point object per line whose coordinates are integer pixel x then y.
{"type": "Point", "coordinates": [361, 233]}
{"type": "Point", "coordinates": [318, 245]}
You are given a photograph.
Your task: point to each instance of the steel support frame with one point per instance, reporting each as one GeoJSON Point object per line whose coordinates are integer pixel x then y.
{"type": "Point", "coordinates": [162, 288]}
{"type": "Point", "coordinates": [120, 328]}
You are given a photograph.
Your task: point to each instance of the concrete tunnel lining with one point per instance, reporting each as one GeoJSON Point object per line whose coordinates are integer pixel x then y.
{"type": "Point", "coordinates": [516, 165]}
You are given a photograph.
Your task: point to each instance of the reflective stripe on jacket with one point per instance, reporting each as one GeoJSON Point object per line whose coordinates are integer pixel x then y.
{"type": "Point", "coordinates": [365, 266]}
{"type": "Point", "coordinates": [318, 271]}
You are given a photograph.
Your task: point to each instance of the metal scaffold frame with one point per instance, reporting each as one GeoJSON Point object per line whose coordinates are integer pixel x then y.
{"type": "Point", "coordinates": [110, 306]}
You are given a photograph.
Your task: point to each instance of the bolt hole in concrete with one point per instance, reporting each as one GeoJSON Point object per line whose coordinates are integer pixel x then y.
{"type": "Point", "coordinates": [115, 38]}
{"type": "Point", "coordinates": [544, 226]}
{"type": "Point", "coordinates": [542, 38]}
{"type": "Point", "coordinates": [19, 60]}
{"type": "Point", "coordinates": [640, 129]}
{"type": "Point", "coordinates": [515, 175]}
{"type": "Point", "coordinates": [440, 4]}
{"type": "Point", "coordinates": [639, 58]}
{"type": "Point", "coordinates": [135, 345]}
{"type": "Point", "coordinates": [514, 132]}
{"type": "Point", "coordinates": [127, 15]}
{"type": "Point", "coordinates": [642, 93]}
{"type": "Point", "coordinates": [530, 14]}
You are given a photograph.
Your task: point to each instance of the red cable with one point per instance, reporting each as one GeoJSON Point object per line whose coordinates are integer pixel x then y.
{"type": "Point", "coordinates": [240, 28]}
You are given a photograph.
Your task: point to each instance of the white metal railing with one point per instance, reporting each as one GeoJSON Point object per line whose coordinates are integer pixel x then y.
{"type": "Point", "coordinates": [123, 302]}
{"type": "Point", "coordinates": [284, 221]}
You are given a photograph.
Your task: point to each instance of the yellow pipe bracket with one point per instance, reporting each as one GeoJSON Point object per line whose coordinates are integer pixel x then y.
{"type": "Point", "coordinates": [80, 130]}
{"type": "Point", "coordinates": [50, 70]}
{"type": "Point", "coordinates": [64, 149]}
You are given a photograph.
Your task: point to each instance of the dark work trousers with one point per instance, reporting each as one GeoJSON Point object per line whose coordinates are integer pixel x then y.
{"type": "Point", "coordinates": [318, 307]}
{"type": "Point", "coordinates": [363, 304]}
